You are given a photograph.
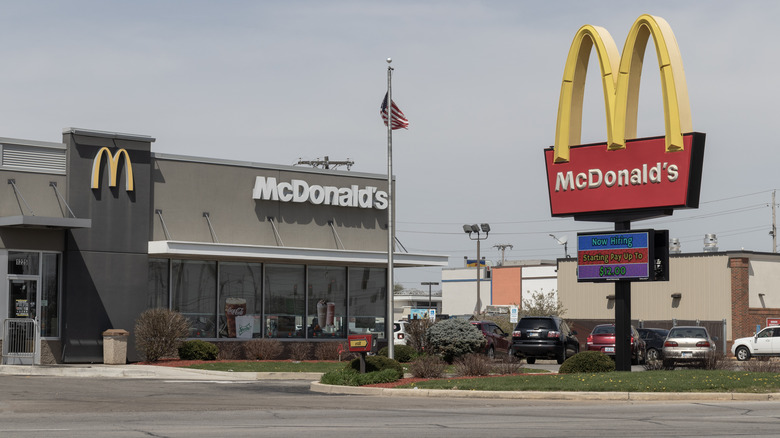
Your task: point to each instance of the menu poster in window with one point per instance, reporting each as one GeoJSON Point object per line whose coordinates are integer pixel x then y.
{"type": "Point", "coordinates": [22, 308]}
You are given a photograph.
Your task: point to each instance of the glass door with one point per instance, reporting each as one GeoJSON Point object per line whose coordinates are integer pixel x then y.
{"type": "Point", "coordinates": [23, 297]}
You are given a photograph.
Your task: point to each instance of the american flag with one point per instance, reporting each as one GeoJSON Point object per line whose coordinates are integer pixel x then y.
{"type": "Point", "coordinates": [398, 118]}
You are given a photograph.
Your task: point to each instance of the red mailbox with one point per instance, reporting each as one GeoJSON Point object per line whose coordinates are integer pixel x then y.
{"type": "Point", "coordinates": [360, 343]}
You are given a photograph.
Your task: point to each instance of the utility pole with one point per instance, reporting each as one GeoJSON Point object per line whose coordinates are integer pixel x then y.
{"type": "Point", "coordinates": [502, 247]}
{"type": "Point", "coordinates": [774, 224]}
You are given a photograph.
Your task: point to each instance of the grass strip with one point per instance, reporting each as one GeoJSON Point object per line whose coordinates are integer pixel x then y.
{"type": "Point", "coordinates": [646, 381]}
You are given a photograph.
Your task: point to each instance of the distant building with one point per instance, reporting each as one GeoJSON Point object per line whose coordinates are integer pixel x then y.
{"type": "Point", "coordinates": [502, 285]}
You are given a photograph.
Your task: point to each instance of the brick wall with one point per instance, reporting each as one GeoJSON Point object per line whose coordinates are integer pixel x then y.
{"type": "Point", "coordinates": [744, 318]}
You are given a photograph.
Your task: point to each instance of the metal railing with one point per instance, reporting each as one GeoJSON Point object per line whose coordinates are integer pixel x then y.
{"type": "Point", "coordinates": [21, 342]}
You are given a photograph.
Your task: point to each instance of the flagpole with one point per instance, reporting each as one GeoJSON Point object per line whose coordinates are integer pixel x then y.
{"type": "Point", "coordinates": [389, 317]}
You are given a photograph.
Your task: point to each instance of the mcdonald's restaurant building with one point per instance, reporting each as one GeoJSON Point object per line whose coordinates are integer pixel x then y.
{"type": "Point", "coordinates": [98, 228]}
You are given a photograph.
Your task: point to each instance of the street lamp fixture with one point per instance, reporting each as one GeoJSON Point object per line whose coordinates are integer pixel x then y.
{"type": "Point", "coordinates": [472, 230]}
{"type": "Point", "coordinates": [562, 241]}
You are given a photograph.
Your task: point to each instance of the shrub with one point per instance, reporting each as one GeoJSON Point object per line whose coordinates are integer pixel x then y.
{"type": "Point", "coordinates": [760, 365]}
{"type": "Point", "coordinates": [350, 377]}
{"type": "Point", "coordinates": [263, 349]}
{"type": "Point", "coordinates": [327, 350]}
{"type": "Point", "coordinates": [427, 367]}
{"type": "Point", "coordinates": [299, 350]}
{"type": "Point", "coordinates": [198, 350]}
{"type": "Point", "coordinates": [473, 364]}
{"type": "Point", "coordinates": [506, 365]}
{"type": "Point", "coordinates": [402, 353]}
{"type": "Point", "coordinates": [587, 362]}
{"type": "Point", "coordinates": [230, 351]}
{"type": "Point", "coordinates": [158, 333]}
{"type": "Point", "coordinates": [719, 362]}
{"type": "Point", "coordinates": [416, 334]}
{"type": "Point", "coordinates": [378, 363]}
{"type": "Point", "coordinates": [454, 338]}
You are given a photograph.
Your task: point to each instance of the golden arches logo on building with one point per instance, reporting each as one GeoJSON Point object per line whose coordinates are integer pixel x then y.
{"type": "Point", "coordinates": [113, 168]}
{"type": "Point", "coordinates": [620, 78]}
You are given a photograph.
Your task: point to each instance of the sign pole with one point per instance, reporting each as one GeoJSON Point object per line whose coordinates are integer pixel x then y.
{"type": "Point", "coordinates": [623, 316]}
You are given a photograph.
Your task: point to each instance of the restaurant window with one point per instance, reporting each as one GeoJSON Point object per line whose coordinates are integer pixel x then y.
{"type": "Point", "coordinates": [367, 301]}
{"type": "Point", "coordinates": [285, 301]}
{"type": "Point", "coordinates": [50, 293]}
{"type": "Point", "coordinates": [194, 290]}
{"type": "Point", "coordinates": [327, 302]}
{"type": "Point", "coordinates": [240, 300]}
{"type": "Point", "coordinates": [157, 291]}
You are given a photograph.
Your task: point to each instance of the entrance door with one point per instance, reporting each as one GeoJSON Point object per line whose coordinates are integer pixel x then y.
{"type": "Point", "coordinates": [23, 295]}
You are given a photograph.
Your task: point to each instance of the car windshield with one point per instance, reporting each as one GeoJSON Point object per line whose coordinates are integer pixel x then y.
{"type": "Point", "coordinates": [690, 332]}
{"type": "Point", "coordinates": [396, 327]}
{"type": "Point", "coordinates": [604, 330]}
{"type": "Point", "coordinates": [536, 323]}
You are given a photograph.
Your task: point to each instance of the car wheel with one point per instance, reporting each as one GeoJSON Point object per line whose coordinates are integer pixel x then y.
{"type": "Point", "coordinates": [652, 355]}
{"type": "Point", "coordinates": [743, 353]}
{"type": "Point", "coordinates": [668, 364]}
{"type": "Point", "coordinates": [530, 360]}
{"type": "Point", "coordinates": [562, 357]}
{"type": "Point", "coordinates": [491, 353]}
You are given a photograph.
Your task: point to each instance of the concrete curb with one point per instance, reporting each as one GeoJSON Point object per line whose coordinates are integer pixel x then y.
{"type": "Point", "coordinates": [540, 395]}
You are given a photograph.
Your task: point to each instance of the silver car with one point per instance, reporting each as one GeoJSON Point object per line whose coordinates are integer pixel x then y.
{"type": "Point", "coordinates": [688, 344]}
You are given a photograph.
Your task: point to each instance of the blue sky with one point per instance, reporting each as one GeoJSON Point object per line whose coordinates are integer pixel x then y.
{"type": "Point", "coordinates": [479, 81]}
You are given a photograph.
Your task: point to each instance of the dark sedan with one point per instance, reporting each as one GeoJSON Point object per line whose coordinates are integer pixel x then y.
{"type": "Point", "coordinates": [654, 339]}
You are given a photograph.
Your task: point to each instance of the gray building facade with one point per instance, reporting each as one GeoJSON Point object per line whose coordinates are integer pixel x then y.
{"type": "Point", "coordinates": [98, 228]}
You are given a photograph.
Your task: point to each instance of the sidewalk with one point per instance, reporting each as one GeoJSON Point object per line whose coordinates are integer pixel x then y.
{"type": "Point", "coordinates": [145, 372]}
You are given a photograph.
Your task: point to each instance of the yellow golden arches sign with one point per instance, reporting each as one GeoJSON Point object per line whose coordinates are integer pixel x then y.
{"type": "Point", "coordinates": [113, 168]}
{"type": "Point", "coordinates": [620, 80]}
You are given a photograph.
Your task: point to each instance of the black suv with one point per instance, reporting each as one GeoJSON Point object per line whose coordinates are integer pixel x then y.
{"type": "Point", "coordinates": [544, 337]}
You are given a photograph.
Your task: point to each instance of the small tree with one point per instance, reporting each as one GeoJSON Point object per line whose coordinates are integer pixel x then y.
{"type": "Point", "coordinates": [417, 334]}
{"type": "Point", "coordinates": [453, 338]}
{"type": "Point", "coordinates": [543, 304]}
{"type": "Point", "coordinates": [159, 332]}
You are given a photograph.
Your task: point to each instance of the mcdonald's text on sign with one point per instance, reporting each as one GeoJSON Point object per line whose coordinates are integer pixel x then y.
{"type": "Point", "coordinates": [641, 176]}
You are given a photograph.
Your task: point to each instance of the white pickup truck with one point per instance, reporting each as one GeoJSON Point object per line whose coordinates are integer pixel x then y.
{"type": "Point", "coordinates": [764, 343]}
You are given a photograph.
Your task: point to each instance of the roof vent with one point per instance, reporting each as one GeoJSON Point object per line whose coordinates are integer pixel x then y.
{"type": "Point", "coordinates": [674, 246]}
{"type": "Point", "coordinates": [710, 243]}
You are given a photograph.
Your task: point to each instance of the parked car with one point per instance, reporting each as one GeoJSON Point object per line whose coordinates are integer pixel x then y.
{"type": "Point", "coordinates": [544, 337]}
{"type": "Point", "coordinates": [399, 332]}
{"type": "Point", "coordinates": [496, 340]}
{"type": "Point", "coordinates": [688, 344]}
{"type": "Point", "coordinates": [602, 339]}
{"type": "Point", "coordinates": [654, 341]}
{"type": "Point", "coordinates": [764, 343]}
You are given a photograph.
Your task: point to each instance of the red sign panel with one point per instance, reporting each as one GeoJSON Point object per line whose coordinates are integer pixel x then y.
{"type": "Point", "coordinates": [772, 321]}
{"type": "Point", "coordinates": [359, 343]}
{"type": "Point", "coordinates": [641, 177]}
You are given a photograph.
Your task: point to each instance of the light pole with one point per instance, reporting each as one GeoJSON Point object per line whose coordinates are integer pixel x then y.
{"type": "Point", "coordinates": [429, 284]}
{"type": "Point", "coordinates": [562, 241]}
{"type": "Point", "coordinates": [475, 229]}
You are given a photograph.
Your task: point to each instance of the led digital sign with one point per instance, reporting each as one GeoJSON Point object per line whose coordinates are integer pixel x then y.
{"type": "Point", "coordinates": [628, 255]}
